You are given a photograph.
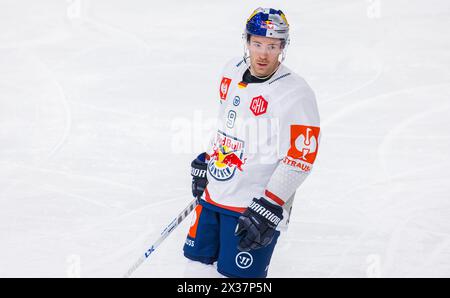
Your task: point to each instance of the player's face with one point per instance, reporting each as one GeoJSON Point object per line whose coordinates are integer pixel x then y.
{"type": "Point", "coordinates": [264, 52]}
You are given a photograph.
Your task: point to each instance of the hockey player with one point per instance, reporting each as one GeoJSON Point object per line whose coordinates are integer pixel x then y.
{"type": "Point", "coordinates": [264, 147]}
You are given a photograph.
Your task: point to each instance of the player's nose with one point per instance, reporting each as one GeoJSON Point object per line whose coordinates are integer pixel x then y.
{"type": "Point", "coordinates": [263, 55]}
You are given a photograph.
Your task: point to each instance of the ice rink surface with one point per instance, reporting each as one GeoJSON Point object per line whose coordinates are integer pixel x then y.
{"type": "Point", "coordinates": [94, 96]}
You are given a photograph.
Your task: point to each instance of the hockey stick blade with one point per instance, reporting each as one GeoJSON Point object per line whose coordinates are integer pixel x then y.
{"type": "Point", "coordinates": [166, 232]}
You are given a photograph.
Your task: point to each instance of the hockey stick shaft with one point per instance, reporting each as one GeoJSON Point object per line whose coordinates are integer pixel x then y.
{"type": "Point", "coordinates": [166, 232]}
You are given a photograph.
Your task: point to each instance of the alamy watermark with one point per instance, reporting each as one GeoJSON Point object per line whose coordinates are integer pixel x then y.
{"type": "Point", "coordinates": [374, 268]}
{"type": "Point", "coordinates": [199, 133]}
{"type": "Point", "coordinates": [75, 9]}
{"type": "Point", "coordinates": [373, 9]}
{"type": "Point", "coordinates": [73, 266]}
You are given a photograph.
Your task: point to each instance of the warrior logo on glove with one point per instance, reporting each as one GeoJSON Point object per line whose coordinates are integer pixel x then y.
{"type": "Point", "coordinates": [271, 217]}
{"type": "Point", "coordinates": [198, 173]}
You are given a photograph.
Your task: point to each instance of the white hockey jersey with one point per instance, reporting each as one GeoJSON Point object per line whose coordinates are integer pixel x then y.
{"type": "Point", "coordinates": [266, 142]}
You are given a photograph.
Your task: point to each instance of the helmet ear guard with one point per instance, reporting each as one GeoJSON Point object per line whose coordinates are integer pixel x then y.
{"type": "Point", "coordinates": [245, 41]}
{"type": "Point", "coordinates": [285, 44]}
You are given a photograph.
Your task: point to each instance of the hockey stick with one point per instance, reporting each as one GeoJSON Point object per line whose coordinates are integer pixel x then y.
{"type": "Point", "coordinates": [183, 214]}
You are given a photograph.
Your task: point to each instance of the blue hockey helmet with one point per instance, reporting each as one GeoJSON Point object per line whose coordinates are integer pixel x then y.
{"type": "Point", "coordinates": [268, 22]}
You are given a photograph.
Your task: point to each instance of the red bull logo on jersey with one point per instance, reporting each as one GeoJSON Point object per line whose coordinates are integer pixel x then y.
{"type": "Point", "coordinates": [226, 157]}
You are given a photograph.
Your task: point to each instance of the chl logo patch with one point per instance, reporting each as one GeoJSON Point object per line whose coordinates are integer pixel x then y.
{"type": "Point", "coordinates": [224, 87]}
{"type": "Point", "coordinates": [304, 145]}
{"type": "Point", "coordinates": [258, 105]}
{"type": "Point", "coordinates": [244, 260]}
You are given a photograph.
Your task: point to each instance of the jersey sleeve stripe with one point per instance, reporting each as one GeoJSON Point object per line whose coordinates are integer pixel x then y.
{"type": "Point", "coordinates": [274, 198]}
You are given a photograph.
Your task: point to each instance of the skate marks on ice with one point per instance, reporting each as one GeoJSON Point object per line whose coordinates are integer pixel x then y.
{"type": "Point", "coordinates": [387, 186]}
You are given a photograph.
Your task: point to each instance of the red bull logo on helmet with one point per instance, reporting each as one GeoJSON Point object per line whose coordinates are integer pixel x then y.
{"type": "Point", "coordinates": [267, 25]}
{"type": "Point", "coordinates": [226, 157]}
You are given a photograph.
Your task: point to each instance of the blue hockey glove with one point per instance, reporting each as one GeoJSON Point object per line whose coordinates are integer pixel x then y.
{"type": "Point", "coordinates": [198, 173]}
{"type": "Point", "coordinates": [257, 224]}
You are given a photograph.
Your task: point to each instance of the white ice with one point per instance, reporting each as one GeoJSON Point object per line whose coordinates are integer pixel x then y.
{"type": "Point", "coordinates": [92, 94]}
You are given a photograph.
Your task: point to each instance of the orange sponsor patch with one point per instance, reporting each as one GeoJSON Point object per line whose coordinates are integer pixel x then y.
{"type": "Point", "coordinates": [224, 87]}
{"type": "Point", "coordinates": [304, 143]}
